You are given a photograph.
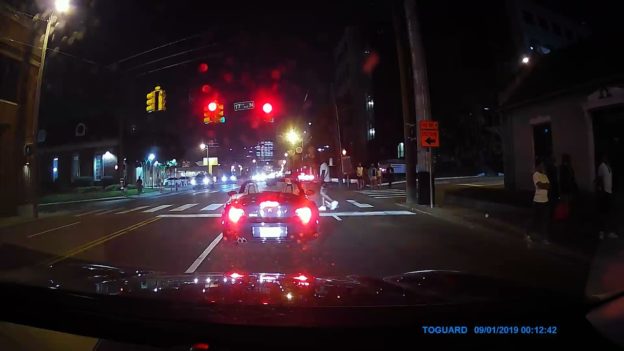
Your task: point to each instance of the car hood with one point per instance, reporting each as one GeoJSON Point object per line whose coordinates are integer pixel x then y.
{"type": "Point", "coordinates": [423, 287]}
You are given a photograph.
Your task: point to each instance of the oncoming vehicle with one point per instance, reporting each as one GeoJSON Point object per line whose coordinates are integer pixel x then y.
{"type": "Point", "coordinates": [200, 181]}
{"type": "Point", "coordinates": [278, 213]}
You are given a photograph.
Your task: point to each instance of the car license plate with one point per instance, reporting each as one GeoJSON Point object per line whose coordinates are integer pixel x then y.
{"type": "Point", "coordinates": [269, 232]}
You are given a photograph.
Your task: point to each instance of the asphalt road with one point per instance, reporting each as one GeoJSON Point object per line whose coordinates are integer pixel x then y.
{"type": "Point", "coordinates": [368, 234]}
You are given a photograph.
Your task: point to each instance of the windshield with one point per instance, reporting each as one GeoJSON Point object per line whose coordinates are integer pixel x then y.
{"type": "Point", "coordinates": [481, 137]}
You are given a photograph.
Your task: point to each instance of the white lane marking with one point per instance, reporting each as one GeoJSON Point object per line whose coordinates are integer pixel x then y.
{"type": "Point", "coordinates": [86, 213]}
{"type": "Point", "coordinates": [337, 218]}
{"type": "Point", "coordinates": [53, 229]}
{"type": "Point", "coordinates": [421, 211]}
{"type": "Point", "coordinates": [355, 203]}
{"type": "Point", "coordinates": [204, 254]}
{"type": "Point", "coordinates": [211, 207]}
{"type": "Point", "coordinates": [183, 207]}
{"type": "Point", "coordinates": [109, 211]}
{"type": "Point", "coordinates": [194, 215]}
{"type": "Point", "coordinates": [387, 196]}
{"type": "Point", "coordinates": [157, 208]}
{"type": "Point", "coordinates": [370, 213]}
{"type": "Point", "coordinates": [132, 209]}
{"type": "Point", "coordinates": [475, 185]}
{"type": "Point", "coordinates": [380, 191]}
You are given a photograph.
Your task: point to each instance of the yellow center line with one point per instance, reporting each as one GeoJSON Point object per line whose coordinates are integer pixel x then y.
{"type": "Point", "coordinates": [101, 240]}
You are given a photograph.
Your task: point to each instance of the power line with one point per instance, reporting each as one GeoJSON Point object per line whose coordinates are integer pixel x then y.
{"type": "Point", "coordinates": [179, 63]}
{"type": "Point", "coordinates": [170, 56]}
{"type": "Point", "coordinates": [160, 47]}
{"type": "Point", "coordinates": [52, 50]}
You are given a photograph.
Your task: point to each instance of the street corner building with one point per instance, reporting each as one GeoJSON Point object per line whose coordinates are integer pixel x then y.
{"type": "Point", "coordinates": [568, 102]}
{"type": "Point", "coordinates": [19, 66]}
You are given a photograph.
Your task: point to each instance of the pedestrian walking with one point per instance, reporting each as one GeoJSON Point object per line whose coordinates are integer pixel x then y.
{"type": "Point", "coordinates": [379, 176]}
{"type": "Point", "coordinates": [359, 173]}
{"type": "Point", "coordinates": [604, 184]}
{"type": "Point", "coordinates": [139, 185]}
{"type": "Point", "coordinates": [541, 212]}
{"type": "Point", "coordinates": [372, 175]}
{"type": "Point", "coordinates": [390, 175]}
{"type": "Point", "coordinates": [324, 173]}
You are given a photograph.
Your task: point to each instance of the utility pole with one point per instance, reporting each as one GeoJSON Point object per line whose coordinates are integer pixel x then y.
{"type": "Point", "coordinates": [408, 120]}
{"type": "Point", "coordinates": [340, 156]}
{"type": "Point", "coordinates": [421, 100]}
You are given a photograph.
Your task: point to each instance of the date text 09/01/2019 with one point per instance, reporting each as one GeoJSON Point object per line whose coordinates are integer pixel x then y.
{"type": "Point", "coordinates": [490, 329]}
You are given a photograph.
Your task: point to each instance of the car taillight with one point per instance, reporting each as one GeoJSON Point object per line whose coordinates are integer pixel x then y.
{"type": "Point", "coordinates": [304, 214]}
{"type": "Point", "coordinates": [235, 213]}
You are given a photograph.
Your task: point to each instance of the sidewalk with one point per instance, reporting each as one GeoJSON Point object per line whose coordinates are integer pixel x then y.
{"type": "Point", "coordinates": [107, 196]}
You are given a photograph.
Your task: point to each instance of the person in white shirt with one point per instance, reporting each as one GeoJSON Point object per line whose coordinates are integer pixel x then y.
{"type": "Point", "coordinates": [541, 211]}
{"type": "Point", "coordinates": [604, 182]}
{"type": "Point", "coordinates": [324, 172]}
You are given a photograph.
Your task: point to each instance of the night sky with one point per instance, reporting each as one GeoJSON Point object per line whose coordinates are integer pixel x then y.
{"type": "Point", "coordinates": [281, 48]}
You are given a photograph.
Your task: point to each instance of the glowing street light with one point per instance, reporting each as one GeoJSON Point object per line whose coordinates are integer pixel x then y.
{"type": "Point", "coordinates": [151, 157]}
{"type": "Point", "coordinates": [62, 6]}
{"type": "Point", "coordinates": [202, 146]}
{"type": "Point", "coordinates": [525, 60]}
{"type": "Point", "coordinates": [285, 154]}
{"type": "Point", "coordinates": [344, 152]}
{"type": "Point", "coordinates": [292, 137]}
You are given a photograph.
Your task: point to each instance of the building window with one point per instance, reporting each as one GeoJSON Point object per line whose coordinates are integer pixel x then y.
{"type": "Point", "coordinates": [528, 17]}
{"type": "Point", "coordinates": [371, 133]}
{"type": "Point", "coordinates": [75, 166]}
{"type": "Point", "coordinates": [370, 103]}
{"type": "Point", "coordinates": [557, 29]}
{"type": "Point", "coordinates": [9, 76]}
{"type": "Point", "coordinates": [542, 23]}
{"type": "Point", "coordinates": [55, 169]}
{"type": "Point", "coordinates": [401, 150]}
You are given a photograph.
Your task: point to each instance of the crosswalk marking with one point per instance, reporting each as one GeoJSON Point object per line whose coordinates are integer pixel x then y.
{"type": "Point", "coordinates": [132, 209]}
{"type": "Point", "coordinates": [108, 211]}
{"type": "Point", "coordinates": [355, 203]}
{"type": "Point", "coordinates": [211, 207]}
{"type": "Point", "coordinates": [183, 207]}
{"type": "Point", "coordinates": [157, 208]}
{"type": "Point", "coordinates": [384, 193]}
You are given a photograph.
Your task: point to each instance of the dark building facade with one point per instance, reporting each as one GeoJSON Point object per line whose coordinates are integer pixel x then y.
{"type": "Point", "coordinates": [367, 93]}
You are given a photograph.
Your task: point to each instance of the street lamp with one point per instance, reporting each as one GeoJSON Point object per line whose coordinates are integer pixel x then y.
{"type": "Point", "coordinates": [151, 157]}
{"type": "Point", "coordinates": [525, 59]}
{"type": "Point", "coordinates": [292, 137]}
{"type": "Point", "coordinates": [60, 6]}
{"type": "Point", "coordinates": [285, 154]}
{"type": "Point", "coordinates": [344, 152]}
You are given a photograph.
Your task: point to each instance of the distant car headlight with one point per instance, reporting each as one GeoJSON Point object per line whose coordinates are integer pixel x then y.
{"type": "Point", "coordinates": [206, 181]}
{"type": "Point", "coordinates": [214, 179]}
{"type": "Point", "coordinates": [193, 181]}
{"type": "Point", "coordinates": [271, 175]}
{"type": "Point", "coordinates": [233, 178]}
{"type": "Point", "coordinates": [223, 178]}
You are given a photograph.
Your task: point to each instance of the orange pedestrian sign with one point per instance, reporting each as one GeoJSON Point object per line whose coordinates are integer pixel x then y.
{"type": "Point", "coordinates": [429, 134]}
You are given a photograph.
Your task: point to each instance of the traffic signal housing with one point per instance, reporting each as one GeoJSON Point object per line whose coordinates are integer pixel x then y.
{"type": "Point", "coordinates": [214, 113]}
{"type": "Point", "coordinates": [151, 101]}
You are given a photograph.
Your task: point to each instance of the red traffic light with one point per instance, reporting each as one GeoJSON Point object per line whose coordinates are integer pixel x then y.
{"type": "Point", "coordinates": [212, 106]}
{"type": "Point", "coordinates": [267, 108]}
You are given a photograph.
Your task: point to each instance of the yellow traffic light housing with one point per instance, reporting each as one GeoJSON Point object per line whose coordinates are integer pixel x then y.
{"type": "Point", "coordinates": [162, 101]}
{"type": "Point", "coordinates": [151, 102]}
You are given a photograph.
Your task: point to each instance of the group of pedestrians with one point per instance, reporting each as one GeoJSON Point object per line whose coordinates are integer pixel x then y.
{"type": "Point", "coordinates": [374, 176]}
{"type": "Point", "coordinates": [555, 198]}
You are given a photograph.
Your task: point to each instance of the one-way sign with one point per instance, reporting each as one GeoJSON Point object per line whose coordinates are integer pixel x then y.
{"type": "Point", "coordinates": [429, 136]}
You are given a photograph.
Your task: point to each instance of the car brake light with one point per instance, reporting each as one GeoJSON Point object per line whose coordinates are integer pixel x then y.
{"type": "Point", "coordinates": [305, 214]}
{"type": "Point", "coordinates": [234, 214]}
{"type": "Point", "coordinates": [301, 278]}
